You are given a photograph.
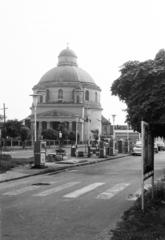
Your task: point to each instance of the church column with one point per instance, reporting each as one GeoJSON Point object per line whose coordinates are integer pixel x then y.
{"type": "Point", "coordinates": [82, 126]}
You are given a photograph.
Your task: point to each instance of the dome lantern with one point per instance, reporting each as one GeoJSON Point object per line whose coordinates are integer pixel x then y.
{"type": "Point", "coordinates": [67, 58]}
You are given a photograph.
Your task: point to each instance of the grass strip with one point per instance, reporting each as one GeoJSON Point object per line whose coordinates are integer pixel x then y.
{"type": "Point", "coordinates": [149, 224]}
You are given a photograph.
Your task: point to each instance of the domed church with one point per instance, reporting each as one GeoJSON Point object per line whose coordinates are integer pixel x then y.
{"type": "Point", "coordinates": [69, 97]}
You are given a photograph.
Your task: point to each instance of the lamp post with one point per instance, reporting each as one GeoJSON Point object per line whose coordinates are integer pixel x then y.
{"type": "Point", "coordinates": [128, 138]}
{"type": "Point", "coordinates": [113, 119]}
{"type": "Point", "coordinates": [35, 102]}
{"type": "Point", "coordinates": [76, 130]}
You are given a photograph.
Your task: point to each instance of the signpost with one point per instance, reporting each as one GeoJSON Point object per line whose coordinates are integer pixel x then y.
{"type": "Point", "coordinates": [147, 158]}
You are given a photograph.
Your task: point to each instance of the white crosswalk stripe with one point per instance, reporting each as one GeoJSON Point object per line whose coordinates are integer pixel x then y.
{"type": "Point", "coordinates": [83, 190]}
{"type": "Point", "coordinates": [21, 190]}
{"type": "Point", "coordinates": [111, 192]}
{"type": "Point", "coordinates": [56, 189]}
{"type": "Point", "coordinates": [13, 184]}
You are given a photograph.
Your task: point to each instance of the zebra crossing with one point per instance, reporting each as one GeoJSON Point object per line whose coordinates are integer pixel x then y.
{"type": "Point", "coordinates": [111, 192]}
{"type": "Point", "coordinates": [83, 190]}
{"type": "Point", "coordinates": [56, 189]}
{"type": "Point", "coordinates": [68, 190]}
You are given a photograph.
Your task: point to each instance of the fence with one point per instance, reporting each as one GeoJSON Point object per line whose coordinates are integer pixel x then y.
{"type": "Point", "coordinates": [12, 143]}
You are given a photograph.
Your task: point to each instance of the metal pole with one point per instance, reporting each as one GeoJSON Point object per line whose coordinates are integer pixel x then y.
{"type": "Point", "coordinates": [128, 138]}
{"type": "Point", "coordinates": [113, 139]}
{"type": "Point", "coordinates": [152, 186]}
{"type": "Point", "coordinates": [153, 168]}
{"type": "Point", "coordinates": [113, 117]}
{"type": "Point", "coordinates": [4, 121]}
{"type": "Point", "coordinates": [142, 167]}
{"type": "Point", "coordinates": [82, 132]}
{"type": "Point", "coordinates": [88, 131]}
{"type": "Point", "coordinates": [35, 101]}
{"type": "Point", "coordinates": [35, 123]}
{"type": "Point", "coordinates": [76, 130]}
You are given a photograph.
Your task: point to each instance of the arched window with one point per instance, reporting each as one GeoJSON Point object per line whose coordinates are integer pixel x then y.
{"type": "Point", "coordinates": [73, 95]}
{"type": "Point", "coordinates": [96, 97]}
{"type": "Point", "coordinates": [60, 94]}
{"type": "Point", "coordinates": [47, 95]}
{"type": "Point", "coordinates": [87, 95]}
{"type": "Point", "coordinates": [41, 99]}
{"type": "Point", "coordinates": [78, 99]}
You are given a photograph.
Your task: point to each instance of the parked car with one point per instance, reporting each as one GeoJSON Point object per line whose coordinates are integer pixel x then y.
{"type": "Point", "coordinates": [155, 148]}
{"type": "Point", "coordinates": [161, 146]}
{"type": "Point", "coordinates": [137, 149]}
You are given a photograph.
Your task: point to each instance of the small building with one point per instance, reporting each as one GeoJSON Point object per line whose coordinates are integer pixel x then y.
{"type": "Point", "coordinates": [127, 134]}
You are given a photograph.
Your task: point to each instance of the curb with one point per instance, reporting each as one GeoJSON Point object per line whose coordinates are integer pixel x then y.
{"type": "Point", "coordinates": [64, 168]}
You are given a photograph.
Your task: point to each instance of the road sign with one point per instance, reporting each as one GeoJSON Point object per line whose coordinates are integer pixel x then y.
{"type": "Point", "coordinates": [147, 157]}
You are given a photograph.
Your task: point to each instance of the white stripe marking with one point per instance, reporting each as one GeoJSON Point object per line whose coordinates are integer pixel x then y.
{"type": "Point", "coordinates": [14, 184]}
{"type": "Point", "coordinates": [83, 190]}
{"type": "Point", "coordinates": [111, 192]}
{"type": "Point", "coordinates": [21, 190]}
{"type": "Point", "coordinates": [56, 189]}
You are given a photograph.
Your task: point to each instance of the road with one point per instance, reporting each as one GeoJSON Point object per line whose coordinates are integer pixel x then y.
{"type": "Point", "coordinates": [78, 204]}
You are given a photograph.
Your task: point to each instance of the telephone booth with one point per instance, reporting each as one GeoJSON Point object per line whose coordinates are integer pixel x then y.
{"type": "Point", "coordinates": [39, 153]}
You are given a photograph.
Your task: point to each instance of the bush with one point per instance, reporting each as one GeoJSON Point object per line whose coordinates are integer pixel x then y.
{"type": "Point", "coordinates": [5, 157]}
{"type": "Point", "coordinates": [5, 161]}
{"type": "Point", "coordinates": [144, 225]}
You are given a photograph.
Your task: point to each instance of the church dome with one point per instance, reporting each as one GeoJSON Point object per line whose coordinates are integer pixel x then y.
{"type": "Point", "coordinates": [67, 71]}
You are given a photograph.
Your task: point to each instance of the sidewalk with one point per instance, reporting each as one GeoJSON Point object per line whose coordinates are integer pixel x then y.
{"type": "Point", "coordinates": [71, 162]}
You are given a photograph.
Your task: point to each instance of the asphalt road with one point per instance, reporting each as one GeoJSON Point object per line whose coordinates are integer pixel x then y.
{"type": "Point", "coordinates": [78, 204]}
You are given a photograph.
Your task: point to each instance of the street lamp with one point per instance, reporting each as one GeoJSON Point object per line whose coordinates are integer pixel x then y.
{"type": "Point", "coordinates": [35, 102]}
{"type": "Point", "coordinates": [128, 138]}
{"type": "Point", "coordinates": [113, 119]}
{"type": "Point", "coordinates": [76, 131]}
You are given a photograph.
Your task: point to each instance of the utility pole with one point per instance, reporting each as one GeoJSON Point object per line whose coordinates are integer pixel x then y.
{"type": "Point", "coordinates": [4, 119]}
{"type": "Point", "coordinates": [113, 118]}
{"type": "Point", "coordinates": [4, 113]}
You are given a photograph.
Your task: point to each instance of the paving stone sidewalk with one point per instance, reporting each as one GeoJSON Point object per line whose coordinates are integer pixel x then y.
{"type": "Point", "coordinates": [28, 170]}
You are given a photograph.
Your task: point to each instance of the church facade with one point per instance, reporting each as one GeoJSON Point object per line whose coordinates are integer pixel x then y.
{"type": "Point", "coordinates": [69, 97]}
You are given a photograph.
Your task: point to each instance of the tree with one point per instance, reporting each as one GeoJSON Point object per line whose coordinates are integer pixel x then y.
{"type": "Point", "coordinates": [72, 136]}
{"type": "Point", "coordinates": [50, 134]}
{"type": "Point", "coordinates": [11, 129]}
{"type": "Point", "coordinates": [25, 134]}
{"type": "Point", "coordinates": [141, 86]}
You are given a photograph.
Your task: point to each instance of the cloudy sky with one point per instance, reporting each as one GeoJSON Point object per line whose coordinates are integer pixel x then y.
{"type": "Point", "coordinates": [103, 33]}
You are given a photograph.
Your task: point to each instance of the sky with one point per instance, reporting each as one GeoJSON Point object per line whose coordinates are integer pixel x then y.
{"type": "Point", "coordinates": [104, 34]}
